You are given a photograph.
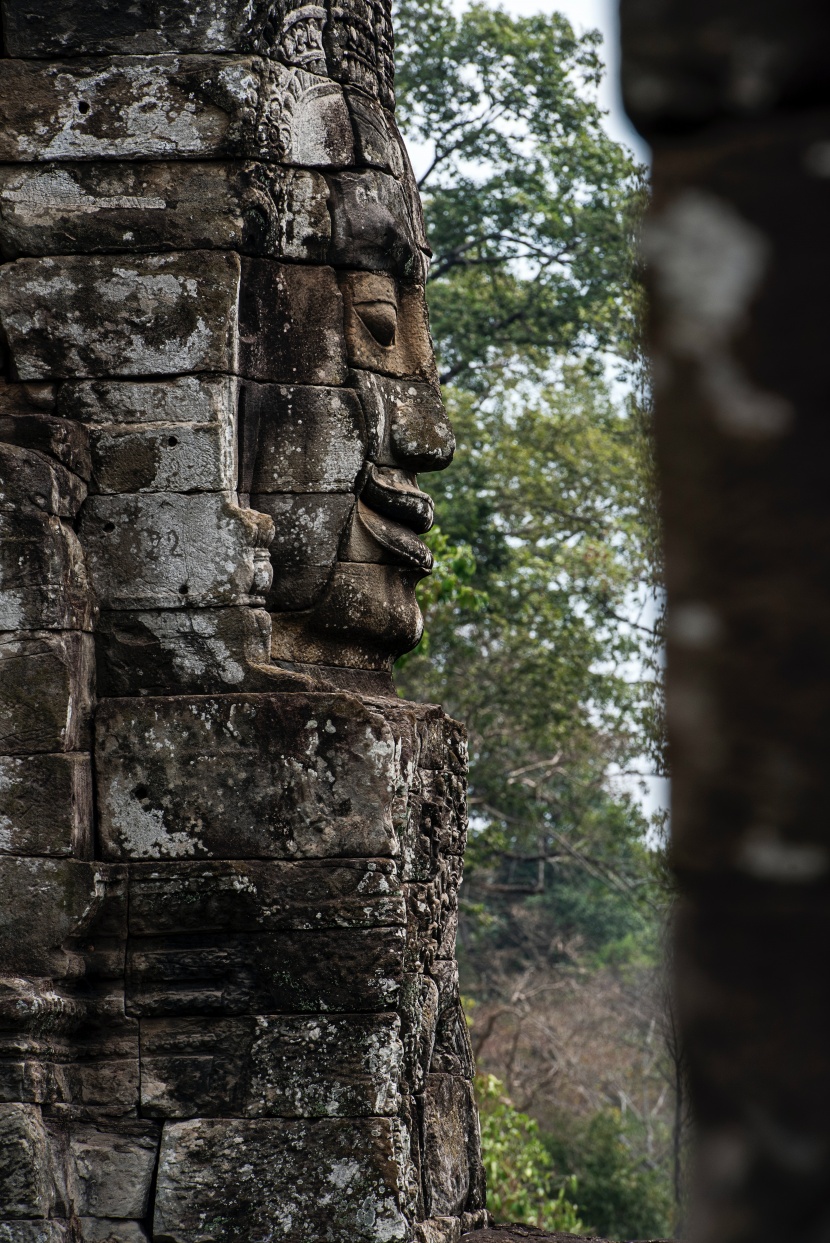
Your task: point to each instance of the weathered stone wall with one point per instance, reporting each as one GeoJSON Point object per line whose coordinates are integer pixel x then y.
{"type": "Point", "coordinates": [229, 856]}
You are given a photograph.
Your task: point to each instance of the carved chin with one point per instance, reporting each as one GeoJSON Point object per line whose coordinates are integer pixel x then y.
{"type": "Point", "coordinates": [375, 604]}
{"type": "Point", "coordinates": [367, 618]}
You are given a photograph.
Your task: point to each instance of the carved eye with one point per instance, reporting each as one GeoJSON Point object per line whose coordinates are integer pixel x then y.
{"type": "Point", "coordinates": [381, 319]}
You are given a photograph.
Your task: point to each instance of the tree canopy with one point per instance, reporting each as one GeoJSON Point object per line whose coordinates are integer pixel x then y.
{"type": "Point", "coordinates": [530, 204]}
{"type": "Point", "coordinates": [545, 536]}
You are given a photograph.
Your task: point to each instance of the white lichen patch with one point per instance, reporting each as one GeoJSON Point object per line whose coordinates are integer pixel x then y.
{"type": "Point", "coordinates": [141, 829]}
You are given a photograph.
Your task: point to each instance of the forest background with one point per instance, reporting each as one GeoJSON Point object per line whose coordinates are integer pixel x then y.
{"type": "Point", "coordinates": [542, 617]}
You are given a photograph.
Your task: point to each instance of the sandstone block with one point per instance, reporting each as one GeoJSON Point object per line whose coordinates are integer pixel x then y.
{"type": "Point", "coordinates": [66, 442]}
{"type": "Point", "coordinates": [295, 588]}
{"type": "Point", "coordinates": [386, 325]}
{"type": "Point", "coordinates": [186, 399]}
{"type": "Point", "coordinates": [429, 739]}
{"type": "Point", "coordinates": [318, 1067]}
{"type": "Point", "coordinates": [131, 107]}
{"type": "Point", "coordinates": [46, 805]}
{"type": "Point", "coordinates": [438, 1230]}
{"type": "Point", "coordinates": [164, 549]}
{"type": "Point", "coordinates": [152, 652]}
{"type": "Point", "coordinates": [105, 1087]}
{"type": "Point", "coordinates": [101, 207]}
{"type": "Point", "coordinates": [333, 1180]}
{"type": "Point", "coordinates": [435, 825]}
{"type": "Point", "coordinates": [43, 578]}
{"type": "Point", "coordinates": [196, 1067]}
{"type": "Point", "coordinates": [22, 1001]}
{"type": "Point", "coordinates": [433, 916]}
{"type": "Point", "coordinates": [452, 1169]}
{"type": "Point", "coordinates": [342, 970]}
{"type": "Point", "coordinates": [164, 457]}
{"type": "Point", "coordinates": [359, 47]}
{"type": "Point", "coordinates": [378, 143]}
{"type": "Point", "coordinates": [299, 223]}
{"type": "Point", "coordinates": [277, 305]}
{"type": "Point", "coordinates": [302, 438]}
{"type": "Point", "coordinates": [73, 27]}
{"type": "Point", "coordinates": [410, 1119]}
{"type": "Point", "coordinates": [372, 227]}
{"type": "Point", "coordinates": [308, 526]}
{"type": "Point", "coordinates": [46, 691]}
{"type": "Point", "coordinates": [107, 1230]}
{"type": "Point", "coordinates": [22, 399]}
{"type": "Point", "coordinates": [406, 422]}
{"type": "Point", "coordinates": [56, 900]}
{"type": "Point", "coordinates": [202, 777]}
{"type": "Point", "coordinates": [31, 480]}
{"type": "Point", "coordinates": [452, 1051]}
{"type": "Point", "coordinates": [249, 895]}
{"type": "Point", "coordinates": [27, 1186]}
{"type": "Point", "coordinates": [103, 315]}
{"type": "Point", "coordinates": [173, 108]}
{"type": "Point", "coordinates": [111, 1169]}
{"type": "Point", "coordinates": [271, 1066]}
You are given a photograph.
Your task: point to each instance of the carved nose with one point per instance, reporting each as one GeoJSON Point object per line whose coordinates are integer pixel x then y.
{"type": "Point", "coordinates": [407, 424]}
{"type": "Point", "coordinates": [420, 436]}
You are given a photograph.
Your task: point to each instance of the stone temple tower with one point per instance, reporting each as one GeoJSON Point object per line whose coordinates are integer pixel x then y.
{"type": "Point", "coordinates": [229, 855]}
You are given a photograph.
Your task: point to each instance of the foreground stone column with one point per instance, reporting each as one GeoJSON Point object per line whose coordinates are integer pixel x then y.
{"type": "Point", "coordinates": [229, 856]}
{"type": "Point", "coordinates": [734, 99]}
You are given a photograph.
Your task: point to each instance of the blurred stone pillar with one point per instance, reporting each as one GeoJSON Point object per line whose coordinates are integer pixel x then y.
{"type": "Point", "coordinates": [734, 99]}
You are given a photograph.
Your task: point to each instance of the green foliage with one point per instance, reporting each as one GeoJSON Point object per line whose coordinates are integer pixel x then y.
{"type": "Point", "coordinates": [519, 1168]}
{"type": "Point", "coordinates": [620, 1194]}
{"type": "Point", "coordinates": [547, 548]}
{"type": "Point", "coordinates": [449, 588]}
{"type": "Point", "coordinates": [530, 205]}
{"type": "Point", "coordinates": [545, 500]}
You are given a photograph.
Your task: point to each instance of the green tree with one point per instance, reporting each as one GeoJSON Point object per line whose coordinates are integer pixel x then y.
{"type": "Point", "coordinates": [518, 1166]}
{"type": "Point", "coordinates": [546, 497]}
{"type": "Point", "coordinates": [530, 204]}
{"type": "Point", "coordinates": [620, 1193]}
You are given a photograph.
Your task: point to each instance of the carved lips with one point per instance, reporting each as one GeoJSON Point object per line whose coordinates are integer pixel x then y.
{"type": "Point", "coordinates": [395, 511]}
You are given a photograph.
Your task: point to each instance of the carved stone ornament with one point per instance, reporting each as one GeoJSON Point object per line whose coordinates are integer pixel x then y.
{"type": "Point", "coordinates": [229, 855]}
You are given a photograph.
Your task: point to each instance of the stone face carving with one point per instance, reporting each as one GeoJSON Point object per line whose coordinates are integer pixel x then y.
{"type": "Point", "coordinates": [229, 856]}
